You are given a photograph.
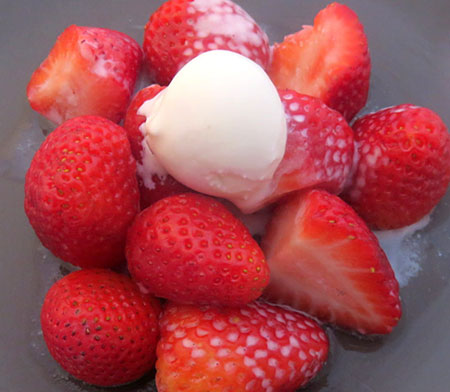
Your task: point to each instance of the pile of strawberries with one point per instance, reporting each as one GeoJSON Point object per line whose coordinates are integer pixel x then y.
{"type": "Point", "coordinates": [92, 203]}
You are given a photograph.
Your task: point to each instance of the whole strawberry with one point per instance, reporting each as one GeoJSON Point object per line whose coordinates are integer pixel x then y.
{"type": "Point", "coordinates": [182, 29]}
{"type": "Point", "coordinates": [319, 147]}
{"type": "Point", "coordinates": [100, 328]}
{"type": "Point", "coordinates": [190, 249]}
{"type": "Point", "coordinates": [258, 347]}
{"type": "Point", "coordinates": [81, 192]}
{"type": "Point", "coordinates": [89, 71]}
{"type": "Point", "coordinates": [154, 182]}
{"type": "Point", "coordinates": [403, 168]}
{"type": "Point", "coordinates": [325, 261]}
{"type": "Point", "coordinates": [329, 60]}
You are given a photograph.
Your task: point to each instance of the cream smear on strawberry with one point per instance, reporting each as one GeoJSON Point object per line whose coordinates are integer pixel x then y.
{"type": "Point", "coordinates": [228, 134]}
{"type": "Point", "coordinates": [103, 66]}
{"type": "Point", "coordinates": [224, 18]}
{"type": "Point", "coordinates": [149, 166]}
{"type": "Point", "coordinates": [330, 171]}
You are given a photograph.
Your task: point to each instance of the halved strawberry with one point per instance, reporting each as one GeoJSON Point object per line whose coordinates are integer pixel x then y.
{"type": "Point", "coordinates": [154, 182]}
{"type": "Point", "coordinates": [324, 260]}
{"type": "Point", "coordinates": [329, 60]}
{"type": "Point", "coordinates": [89, 71]}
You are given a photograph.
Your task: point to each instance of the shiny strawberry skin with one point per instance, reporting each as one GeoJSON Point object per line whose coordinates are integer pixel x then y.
{"type": "Point", "coordinates": [325, 261]}
{"type": "Point", "coordinates": [100, 328]}
{"type": "Point", "coordinates": [329, 60]}
{"type": "Point", "coordinates": [182, 29]}
{"type": "Point", "coordinates": [319, 147]}
{"type": "Point", "coordinates": [259, 347]}
{"type": "Point", "coordinates": [153, 184]}
{"type": "Point", "coordinates": [190, 249]}
{"type": "Point", "coordinates": [89, 71]}
{"type": "Point", "coordinates": [81, 192]}
{"type": "Point", "coordinates": [403, 168]}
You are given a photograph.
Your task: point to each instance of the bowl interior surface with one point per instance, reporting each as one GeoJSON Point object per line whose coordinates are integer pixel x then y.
{"type": "Point", "coordinates": [409, 42]}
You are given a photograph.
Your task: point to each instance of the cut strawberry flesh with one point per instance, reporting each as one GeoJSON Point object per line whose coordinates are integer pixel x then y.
{"type": "Point", "coordinates": [325, 261]}
{"type": "Point", "coordinates": [329, 60]}
{"type": "Point", "coordinates": [324, 50]}
{"type": "Point", "coordinates": [89, 71]}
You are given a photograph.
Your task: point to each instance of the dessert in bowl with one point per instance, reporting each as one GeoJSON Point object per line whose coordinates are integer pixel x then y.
{"type": "Point", "coordinates": [362, 344]}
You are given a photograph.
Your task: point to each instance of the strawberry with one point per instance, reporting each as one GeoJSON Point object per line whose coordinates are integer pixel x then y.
{"type": "Point", "coordinates": [404, 166]}
{"type": "Point", "coordinates": [154, 182]}
{"type": "Point", "coordinates": [81, 193]}
{"type": "Point", "coordinates": [182, 29]}
{"type": "Point", "coordinates": [329, 60]}
{"type": "Point", "coordinates": [189, 248]}
{"type": "Point", "coordinates": [133, 120]}
{"type": "Point", "coordinates": [100, 328]}
{"type": "Point", "coordinates": [259, 347]}
{"type": "Point", "coordinates": [326, 262]}
{"type": "Point", "coordinates": [89, 71]}
{"type": "Point", "coordinates": [319, 147]}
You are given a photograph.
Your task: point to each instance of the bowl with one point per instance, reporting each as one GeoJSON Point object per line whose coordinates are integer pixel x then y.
{"type": "Point", "coordinates": [409, 42]}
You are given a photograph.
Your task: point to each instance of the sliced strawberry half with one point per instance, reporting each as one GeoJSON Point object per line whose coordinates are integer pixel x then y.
{"type": "Point", "coordinates": [89, 71]}
{"type": "Point", "coordinates": [325, 261]}
{"type": "Point", "coordinates": [329, 60]}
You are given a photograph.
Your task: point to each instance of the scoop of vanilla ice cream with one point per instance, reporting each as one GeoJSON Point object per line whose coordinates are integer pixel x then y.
{"type": "Point", "coordinates": [219, 128]}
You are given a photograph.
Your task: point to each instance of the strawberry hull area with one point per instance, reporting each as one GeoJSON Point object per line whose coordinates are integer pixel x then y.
{"type": "Point", "coordinates": [410, 64]}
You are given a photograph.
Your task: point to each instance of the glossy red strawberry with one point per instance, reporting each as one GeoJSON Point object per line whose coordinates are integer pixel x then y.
{"type": "Point", "coordinates": [189, 248]}
{"type": "Point", "coordinates": [325, 261]}
{"type": "Point", "coordinates": [154, 182]}
{"type": "Point", "coordinates": [81, 192]}
{"type": "Point", "coordinates": [329, 60]}
{"type": "Point", "coordinates": [258, 347]}
{"type": "Point", "coordinates": [89, 71]}
{"type": "Point", "coordinates": [182, 29]}
{"type": "Point", "coordinates": [404, 165]}
{"type": "Point", "coordinates": [100, 328]}
{"type": "Point", "coordinates": [319, 147]}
